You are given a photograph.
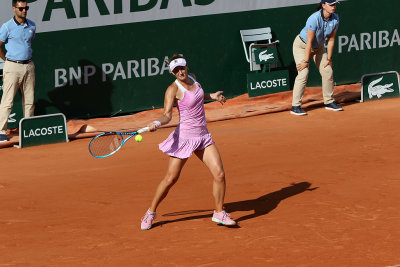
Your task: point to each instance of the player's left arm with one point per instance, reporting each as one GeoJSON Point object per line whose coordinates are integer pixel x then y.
{"type": "Point", "coordinates": [217, 96]}
{"type": "Point", "coordinates": [331, 45]}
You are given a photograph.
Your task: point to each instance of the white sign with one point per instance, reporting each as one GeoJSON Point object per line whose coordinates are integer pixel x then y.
{"type": "Point", "coordinates": [56, 15]}
{"type": "Point", "coordinates": [44, 131]}
{"type": "Point", "coordinates": [368, 40]}
{"type": "Point", "coordinates": [129, 69]}
{"type": "Point", "coordinates": [375, 89]}
{"type": "Point", "coordinates": [269, 84]}
{"type": "Point", "coordinates": [263, 56]}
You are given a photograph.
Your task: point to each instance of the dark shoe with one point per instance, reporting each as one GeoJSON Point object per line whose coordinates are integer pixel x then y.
{"type": "Point", "coordinates": [297, 110]}
{"type": "Point", "coordinates": [3, 138]}
{"type": "Point", "coordinates": [333, 106]}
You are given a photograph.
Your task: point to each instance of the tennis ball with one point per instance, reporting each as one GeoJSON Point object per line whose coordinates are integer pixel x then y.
{"type": "Point", "coordinates": [138, 138]}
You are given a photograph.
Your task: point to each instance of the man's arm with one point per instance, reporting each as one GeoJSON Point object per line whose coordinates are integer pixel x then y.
{"type": "Point", "coordinates": [331, 45]}
{"type": "Point", "coordinates": [2, 56]}
{"type": "Point", "coordinates": [305, 63]}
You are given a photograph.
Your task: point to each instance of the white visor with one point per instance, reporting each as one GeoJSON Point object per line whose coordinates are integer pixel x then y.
{"type": "Point", "coordinates": [334, 2]}
{"type": "Point", "coordinates": [177, 62]}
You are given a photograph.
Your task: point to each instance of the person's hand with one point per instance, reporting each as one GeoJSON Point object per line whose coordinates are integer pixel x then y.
{"type": "Point", "coordinates": [328, 63]}
{"type": "Point", "coordinates": [301, 66]}
{"type": "Point", "coordinates": [154, 126]}
{"type": "Point", "coordinates": [218, 97]}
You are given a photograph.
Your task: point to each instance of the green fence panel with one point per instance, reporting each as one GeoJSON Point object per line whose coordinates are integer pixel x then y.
{"type": "Point", "coordinates": [40, 130]}
{"type": "Point", "coordinates": [101, 58]}
{"type": "Point", "coordinates": [380, 85]}
{"type": "Point", "coordinates": [267, 82]}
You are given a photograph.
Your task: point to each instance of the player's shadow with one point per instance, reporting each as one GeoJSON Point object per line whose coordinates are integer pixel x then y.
{"type": "Point", "coordinates": [260, 206]}
{"type": "Point", "coordinates": [266, 203]}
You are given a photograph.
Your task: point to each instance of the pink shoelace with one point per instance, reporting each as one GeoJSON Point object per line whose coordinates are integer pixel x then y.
{"type": "Point", "coordinates": [146, 217]}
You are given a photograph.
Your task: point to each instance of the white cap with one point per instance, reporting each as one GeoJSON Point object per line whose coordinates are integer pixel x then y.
{"type": "Point", "coordinates": [177, 62]}
{"type": "Point", "coordinates": [330, 2]}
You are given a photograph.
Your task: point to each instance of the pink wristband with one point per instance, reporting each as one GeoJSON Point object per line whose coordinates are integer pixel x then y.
{"type": "Point", "coordinates": [157, 123]}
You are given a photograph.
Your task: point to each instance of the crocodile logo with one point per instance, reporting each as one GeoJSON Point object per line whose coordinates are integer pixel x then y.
{"type": "Point", "coordinates": [264, 57]}
{"type": "Point", "coordinates": [379, 90]}
{"type": "Point", "coordinates": [11, 118]}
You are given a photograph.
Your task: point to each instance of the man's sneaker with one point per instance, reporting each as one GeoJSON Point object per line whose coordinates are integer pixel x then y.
{"type": "Point", "coordinates": [333, 106]}
{"type": "Point", "coordinates": [223, 218]}
{"type": "Point", "coordinates": [297, 110]}
{"type": "Point", "coordinates": [148, 219]}
{"type": "Point", "coordinates": [3, 138]}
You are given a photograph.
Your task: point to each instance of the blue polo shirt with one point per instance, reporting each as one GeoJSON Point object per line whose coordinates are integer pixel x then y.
{"type": "Point", "coordinates": [322, 27]}
{"type": "Point", "coordinates": [17, 39]}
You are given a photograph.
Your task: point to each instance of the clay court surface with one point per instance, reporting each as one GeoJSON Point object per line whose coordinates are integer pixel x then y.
{"type": "Point", "coordinates": [319, 190]}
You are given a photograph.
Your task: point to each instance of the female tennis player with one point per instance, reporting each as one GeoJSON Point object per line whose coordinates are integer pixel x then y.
{"type": "Point", "coordinates": [310, 43]}
{"type": "Point", "coordinates": [190, 136]}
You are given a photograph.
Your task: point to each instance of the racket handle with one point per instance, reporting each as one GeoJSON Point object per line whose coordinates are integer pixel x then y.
{"type": "Point", "coordinates": [145, 129]}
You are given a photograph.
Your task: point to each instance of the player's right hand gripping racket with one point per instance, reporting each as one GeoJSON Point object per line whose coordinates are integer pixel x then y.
{"type": "Point", "coordinates": [107, 143]}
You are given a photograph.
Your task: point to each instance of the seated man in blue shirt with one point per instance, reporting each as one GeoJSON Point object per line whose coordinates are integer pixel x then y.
{"type": "Point", "coordinates": [19, 71]}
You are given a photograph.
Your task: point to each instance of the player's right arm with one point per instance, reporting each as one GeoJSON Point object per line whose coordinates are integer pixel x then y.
{"type": "Point", "coordinates": [169, 99]}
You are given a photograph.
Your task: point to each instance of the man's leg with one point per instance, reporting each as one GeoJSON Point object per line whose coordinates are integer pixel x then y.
{"type": "Point", "coordinates": [302, 76]}
{"type": "Point", "coordinates": [12, 78]}
{"type": "Point", "coordinates": [28, 90]}
{"type": "Point", "coordinates": [321, 59]}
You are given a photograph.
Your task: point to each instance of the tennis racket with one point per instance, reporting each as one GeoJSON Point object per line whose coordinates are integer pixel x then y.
{"type": "Point", "coordinates": [107, 143]}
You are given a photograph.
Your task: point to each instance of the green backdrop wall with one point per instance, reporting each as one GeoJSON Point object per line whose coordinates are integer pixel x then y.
{"type": "Point", "coordinates": [118, 69]}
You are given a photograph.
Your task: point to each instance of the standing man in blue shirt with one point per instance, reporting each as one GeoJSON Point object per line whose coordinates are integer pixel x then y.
{"type": "Point", "coordinates": [310, 43]}
{"type": "Point", "coordinates": [19, 71]}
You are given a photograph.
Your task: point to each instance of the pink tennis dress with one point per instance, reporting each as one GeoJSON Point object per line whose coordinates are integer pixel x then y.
{"type": "Point", "coordinates": [191, 134]}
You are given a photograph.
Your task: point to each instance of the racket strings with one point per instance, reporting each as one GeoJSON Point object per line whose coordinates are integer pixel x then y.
{"type": "Point", "coordinates": [106, 144]}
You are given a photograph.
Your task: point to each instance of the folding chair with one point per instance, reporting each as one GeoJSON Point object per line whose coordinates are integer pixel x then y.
{"type": "Point", "coordinates": [253, 39]}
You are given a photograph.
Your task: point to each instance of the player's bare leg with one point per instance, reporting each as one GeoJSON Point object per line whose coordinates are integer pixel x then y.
{"type": "Point", "coordinates": [174, 169]}
{"type": "Point", "coordinates": [212, 159]}
{"type": "Point", "coordinates": [175, 166]}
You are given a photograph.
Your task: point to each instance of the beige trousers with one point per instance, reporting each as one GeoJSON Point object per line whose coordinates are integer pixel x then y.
{"type": "Point", "coordinates": [17, 76]}
{"type": "Point", "coordinates": [320, 58]}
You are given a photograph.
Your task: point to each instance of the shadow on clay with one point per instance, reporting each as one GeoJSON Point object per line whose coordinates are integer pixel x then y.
{"type": "Point", "coordinates": [260, 206]}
